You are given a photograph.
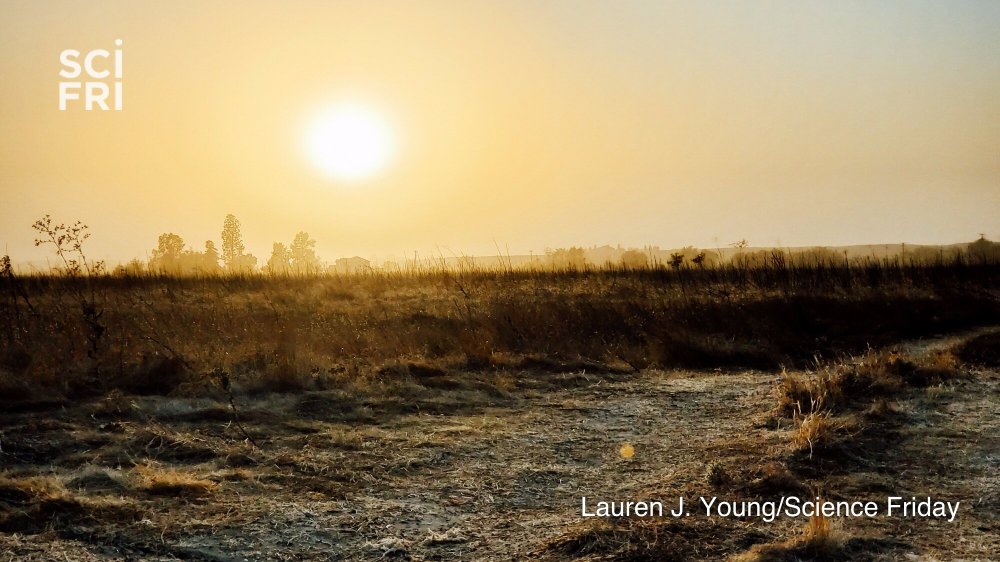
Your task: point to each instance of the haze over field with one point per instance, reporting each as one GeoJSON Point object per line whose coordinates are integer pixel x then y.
{"type": "Point", "coordinates": [528, 124]}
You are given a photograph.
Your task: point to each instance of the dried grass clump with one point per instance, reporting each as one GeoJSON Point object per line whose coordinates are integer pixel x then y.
{"type": "Point", "coordinates": [923, 376]}
{"type": "Point", "coordinates": [818, 541]}
{"type": "Point", "coordinates": [627, 542]}
{"type": "Point", "coordinates": [19, 491]}
{"type": "Point", "coordinates": [633, 540]}
{"type": "Point", "coordinates": [875, 376]}
{"type": "Point", "coordinates": [777, 480]}
{"type": "Point", "coordinates": [818, 536]}
{"type": "Point", "coordinates": [163, 444]}
{"type": "Point", "coordinates": [815, 430]}
{"type": "Point", "coordinates": [798, 396]}
{"type": "Point", "coordinates": [416, 369]}
{"type": "Point", "coordinates": [32, 505]}
{"type": "Point", "coordinates": [167, 482]}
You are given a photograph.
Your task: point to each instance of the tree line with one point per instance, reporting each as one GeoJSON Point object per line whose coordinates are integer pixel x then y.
{"type": "Point", "coordinates": [171, 257]}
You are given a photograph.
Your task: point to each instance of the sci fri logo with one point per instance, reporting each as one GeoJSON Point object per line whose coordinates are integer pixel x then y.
{"type": "Point", "coordinates": [102, 84]}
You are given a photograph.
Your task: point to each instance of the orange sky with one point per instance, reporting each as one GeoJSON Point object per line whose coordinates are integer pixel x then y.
{"type": "Point", "coordinates": [524, 124]}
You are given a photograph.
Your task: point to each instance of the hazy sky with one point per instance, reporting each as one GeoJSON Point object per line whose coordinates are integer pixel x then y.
{"type": "Point", "coordinates": [524, 124]}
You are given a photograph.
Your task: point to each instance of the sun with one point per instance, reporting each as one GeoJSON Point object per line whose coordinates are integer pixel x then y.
{"type": "Point", "coordinates": [349, 142]}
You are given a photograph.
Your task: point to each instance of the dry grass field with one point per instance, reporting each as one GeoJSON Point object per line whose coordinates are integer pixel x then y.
{"type": "Point", "coordinates": [499, 280]}
{"type": "Point", "coordinates": [462, 415]}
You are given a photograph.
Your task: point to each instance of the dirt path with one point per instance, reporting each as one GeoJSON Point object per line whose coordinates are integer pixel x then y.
{"type": "Point", "coordinates": [498, 482]}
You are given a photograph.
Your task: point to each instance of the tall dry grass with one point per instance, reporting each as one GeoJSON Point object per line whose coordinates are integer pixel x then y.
{"type": "Point", "coordinates": [162, 334]}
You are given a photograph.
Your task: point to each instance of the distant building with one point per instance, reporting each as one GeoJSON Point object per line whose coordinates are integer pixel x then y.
{"type": "Point", "coordinates": [352, 265]}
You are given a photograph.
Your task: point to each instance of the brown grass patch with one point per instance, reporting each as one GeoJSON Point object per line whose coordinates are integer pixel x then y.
{"type": "Point", "coordinates": [644, 541]}
{"type": "Point", "coordinates": [777, 480]}
{"type": "Point", "coordinates": [817, 431]}
{"type": "Point", "coordinates": [167, 482]}
{"type": "Point", "coordinates": [163, 444]}
{"type": "Point", "coordinates": [32, 505]}
{"type": "Point", "coordinates": [818, 541]}
{"type": "Point", "coordinates": [847, 387]}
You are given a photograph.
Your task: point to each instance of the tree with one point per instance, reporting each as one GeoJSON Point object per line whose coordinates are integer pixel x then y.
{"type": "Point", "coordinates": [280, 262]}
{"type": "Point", "coordinates": [232, 243]}
{"type": "Point", "coordinates": [210, 259]}
{"type": "Point", "coordinates": [167, 255]}
{"type": "Point", "coordinates": [246, 263]}
{"type": "Point", "coordinates": [233, 251]}
{"type": "Point", "coordinates": [699, 259]}
{"type": "Point", "coordinates": [303, 254]}
{"type": "Point", "coordinates": [676, 260]}
{"type": "Point", "coordinates": [563, 258]}
{"type": "Point", "coordinates": [190, 262]}
{"type": "Point", "coordinates": [984, 251]}
{"type": "Point", "coordinates": [635, 259]}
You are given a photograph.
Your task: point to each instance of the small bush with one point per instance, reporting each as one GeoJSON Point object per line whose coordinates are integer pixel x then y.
{"type": "Point", "coordinates": [716, 475]}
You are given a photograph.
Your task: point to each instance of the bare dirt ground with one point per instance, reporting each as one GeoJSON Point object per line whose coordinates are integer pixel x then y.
{"type": "Point", "coordinates": [447, 469]}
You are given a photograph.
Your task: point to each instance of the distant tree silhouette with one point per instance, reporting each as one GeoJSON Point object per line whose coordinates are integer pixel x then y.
{"type": "Point", "coordinates": [246, 263]}
{"type": "Point", "coordinates": [232, 242]}
{"type": "Point", "coordinates": [280, 262]}
{"type": "Point", "coordinates": [210, 259]}
{"type": "Point", "coordinates": [567, 258]}
{"type": "Point", "coordinates": [190, 262]}
{"type": "Point", "coordinates": [233, 250]}
{"type": "Point", "coordinates": [166, 257]}
{"type": "Point", "coordinates": [634, 259]}
{"type": "Point", "coordinates": [983, 250]}
{"type": "Point", "coordinates": [133, 267]}
{"type": "Point", "coordinates": [303, 254]}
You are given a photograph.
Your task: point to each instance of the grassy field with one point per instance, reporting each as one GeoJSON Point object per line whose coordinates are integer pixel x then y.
{"type": "Point", "coordinates": [66, 337]}
{"type": "Point", "coordinates": [461, 415]}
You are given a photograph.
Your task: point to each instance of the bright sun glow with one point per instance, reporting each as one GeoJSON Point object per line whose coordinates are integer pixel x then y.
{"type": "Point", "coordinates": [349, 142]}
